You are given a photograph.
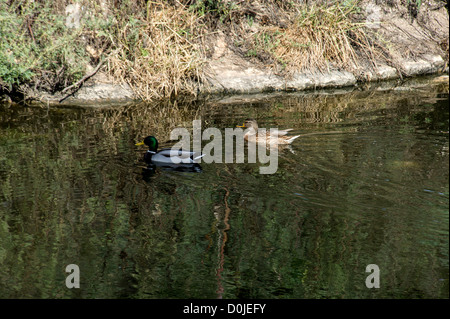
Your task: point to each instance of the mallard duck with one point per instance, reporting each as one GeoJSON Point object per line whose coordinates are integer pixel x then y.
{"type": "Point", "coordinates": [278, 136]}
{"type": "Point", "coordinates": [168, 156]}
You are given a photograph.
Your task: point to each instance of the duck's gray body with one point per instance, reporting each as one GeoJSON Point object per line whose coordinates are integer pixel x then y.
{"type": "Point", "coordinates": [173, 156]}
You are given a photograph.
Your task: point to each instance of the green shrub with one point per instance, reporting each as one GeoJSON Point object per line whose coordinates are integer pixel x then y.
{"type": "Point", "coordinates": [37, 48]}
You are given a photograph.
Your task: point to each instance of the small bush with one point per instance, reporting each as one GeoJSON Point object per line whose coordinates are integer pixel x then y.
{"type": "Point", "coordinates": [37, 48]}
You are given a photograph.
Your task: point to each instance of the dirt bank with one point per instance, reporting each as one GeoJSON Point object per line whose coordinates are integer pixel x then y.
{"type": "Point", "coordinates": [256, 46]}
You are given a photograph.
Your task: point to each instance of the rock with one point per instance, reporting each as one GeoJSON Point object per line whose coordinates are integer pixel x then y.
{"type": "Point", "coordinates": [93, 93]}
{"type": "Point", "coordinates": [385, 72]}
{"type": "Point", "coordinates": [230, 73]}
{"type": "Point", "coordinates": [248, 80]}
{"type": "Point", "coordinates": [103, 91]}
{"type": "Point", "coordinates": [427, 65]}
{"type": "Point", "coordinates": [333, 79]}
{"type": "Point", "coordinates": [253, 80]}
{"type": "Point", "coordinates": [373, 13]}
{"type": "Point", "coordinates": [299, 82]}
{"type": "Point", "coordinates": [73, 18]}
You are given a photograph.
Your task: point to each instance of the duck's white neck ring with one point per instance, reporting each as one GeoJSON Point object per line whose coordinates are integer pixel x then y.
{"type": "Point", "coordinates": [151, 152]}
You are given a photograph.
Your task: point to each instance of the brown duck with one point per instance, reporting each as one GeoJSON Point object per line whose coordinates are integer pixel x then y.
{"type": "Point", "coordinates": [251, 134]}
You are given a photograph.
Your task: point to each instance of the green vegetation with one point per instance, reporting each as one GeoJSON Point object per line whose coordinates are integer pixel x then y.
{"type": "Point", "coordinates": [216, 8]}
{"type": "Point", "coordinates": [36, 46]}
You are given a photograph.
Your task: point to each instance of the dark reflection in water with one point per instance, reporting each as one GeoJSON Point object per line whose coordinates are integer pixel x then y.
{"type": "Point", "coordinates": [74, 190]}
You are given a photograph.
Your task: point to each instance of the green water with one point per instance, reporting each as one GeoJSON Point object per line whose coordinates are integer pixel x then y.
{"type": "Point", "coordinates": [74, 190]}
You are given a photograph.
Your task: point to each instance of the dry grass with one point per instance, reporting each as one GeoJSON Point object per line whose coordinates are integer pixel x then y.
{"type": "Point", "coordinates": [160, 56]}
{"type": "Point", "coordinates": [319, 37]}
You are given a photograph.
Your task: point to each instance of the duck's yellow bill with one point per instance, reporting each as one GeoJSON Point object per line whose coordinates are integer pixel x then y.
{"type": "Point", "coordinates": [139, 144]}
{"type": "Point", "coordinates": [243, 125]}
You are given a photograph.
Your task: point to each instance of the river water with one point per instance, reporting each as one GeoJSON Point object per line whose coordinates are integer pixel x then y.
{"type": "Point", "coordinates": [368, 183]}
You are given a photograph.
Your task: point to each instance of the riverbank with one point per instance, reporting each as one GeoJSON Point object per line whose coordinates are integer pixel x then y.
{"type": "Point", "coordinates": [159, 50]}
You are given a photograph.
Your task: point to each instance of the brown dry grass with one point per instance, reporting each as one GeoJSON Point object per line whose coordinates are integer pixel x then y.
{"type": "Point", "coordinates": [320, 37]}
{"type": "Point", "coordinates": [160, 56]}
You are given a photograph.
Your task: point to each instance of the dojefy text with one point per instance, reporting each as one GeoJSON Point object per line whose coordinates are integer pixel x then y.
{"type": "Point", "coordinates": [243, 309]}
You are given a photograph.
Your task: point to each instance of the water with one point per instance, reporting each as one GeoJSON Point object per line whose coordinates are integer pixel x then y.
{"type": "Point", "coordinates": [367, 184]}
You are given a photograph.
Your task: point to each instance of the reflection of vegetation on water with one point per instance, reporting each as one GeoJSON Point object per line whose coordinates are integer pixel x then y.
{"type": "Point", "coordinates": [72, 191]}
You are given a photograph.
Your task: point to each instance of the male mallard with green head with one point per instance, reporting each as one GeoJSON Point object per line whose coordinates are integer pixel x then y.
{"type": "Point", "coordinates": [168, 155]}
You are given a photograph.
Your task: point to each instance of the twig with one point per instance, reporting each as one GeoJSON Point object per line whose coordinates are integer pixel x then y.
{"type": "Point", "coordinates": [29, 29]}
{"type": "Point", "coordinates": [85, 77]}
{"type": "Point", "coordinates": [78, 84]}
